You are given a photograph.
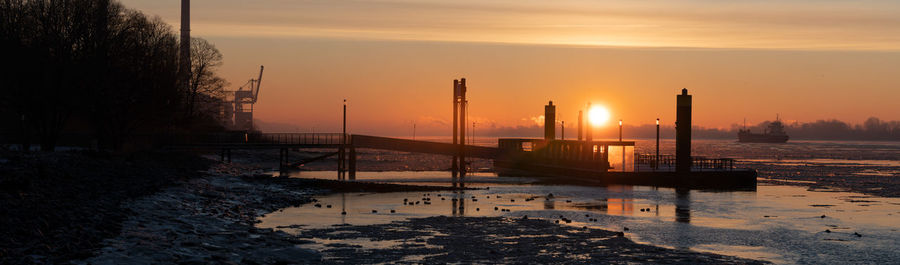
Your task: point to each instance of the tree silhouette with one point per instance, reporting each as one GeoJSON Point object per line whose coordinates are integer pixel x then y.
{"type": "Point", "coordinates": [205, 85]}
{"type": "Point", "coordinates": [76, 64]}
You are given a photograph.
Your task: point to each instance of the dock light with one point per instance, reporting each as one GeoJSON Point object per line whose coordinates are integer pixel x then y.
{"type": "Point", "coordinates": [656, 158]}
{"type": "Point", "coordinates": [620, 130]}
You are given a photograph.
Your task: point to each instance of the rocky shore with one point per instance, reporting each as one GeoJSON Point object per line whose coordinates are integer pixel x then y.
{"type": "Point", "coordinates": [207, 213]}
{"type": "Point", "coordinates": [210, 219]}
{"type": "Point", "coordinates": [59, 206]}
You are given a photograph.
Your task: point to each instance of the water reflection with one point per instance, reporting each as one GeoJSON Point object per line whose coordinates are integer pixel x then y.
{"type": "Point", "coordinates": [682, 205]}
{"type": "Point", "coordinates": [549, 204]}
{"type": "Point", "coordinates": [458, 204]}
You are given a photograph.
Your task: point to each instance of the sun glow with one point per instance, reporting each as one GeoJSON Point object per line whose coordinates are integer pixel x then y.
{"type": "Point", "coordinates": [598, 115]}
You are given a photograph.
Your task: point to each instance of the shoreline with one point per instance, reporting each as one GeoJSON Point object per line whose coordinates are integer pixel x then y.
{"type": "Point", "coordinates": [209, 215]}
{"type": "Point", "coordinates": [211, 218]}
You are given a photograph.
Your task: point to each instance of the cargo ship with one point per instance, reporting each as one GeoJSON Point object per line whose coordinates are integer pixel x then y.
{"type": "Point", "coordinates": [774, 133]}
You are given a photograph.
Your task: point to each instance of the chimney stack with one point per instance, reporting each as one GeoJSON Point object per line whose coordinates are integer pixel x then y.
{"type": "Point", "coordinates": [186, 41]}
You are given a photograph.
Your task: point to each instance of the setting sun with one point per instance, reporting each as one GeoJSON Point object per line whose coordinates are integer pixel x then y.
{"type": "Point", "coordinates": [598, 115]}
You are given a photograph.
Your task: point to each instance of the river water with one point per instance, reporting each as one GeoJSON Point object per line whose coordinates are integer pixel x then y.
{"type": "Point", "coordinates": [798, 223]}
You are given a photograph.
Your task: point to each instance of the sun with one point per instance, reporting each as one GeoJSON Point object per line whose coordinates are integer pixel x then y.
{"type": "Point", "coordinates": [598, 115]}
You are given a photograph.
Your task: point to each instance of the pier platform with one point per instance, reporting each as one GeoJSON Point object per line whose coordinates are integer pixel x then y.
{"type": "Point", "coordinates": [614, 163]}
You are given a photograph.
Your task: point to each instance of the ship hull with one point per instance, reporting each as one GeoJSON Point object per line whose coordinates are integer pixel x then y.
{"type": "Point", "coordinates": [761, 138]}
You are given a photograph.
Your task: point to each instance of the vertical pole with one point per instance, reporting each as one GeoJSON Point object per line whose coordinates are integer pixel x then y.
{"type": "Point", "coordinates": [454, 167]}
{"type": "Point", "coordinates": [656, 160]}
{"type": "Point", "coordinates": [562, 130]}
{"type": "Point", "coordinates": [462, 129]}
{"type": "Point", "coordinates": [589, 135]}
{"type": "Point", "coordinates": [344, 142]}
{"type": "Point", "coordinates": [623, 146]}
{"type": "Point", "coordinates": [620, 130]}
{"type": "Point", "coordinates": [473, 133]}
{"type": "Point", "coordinates": [352, 162]}
{"type": "Point", "coordinates": [580, 125]}
{"type": "Point", "coordinates": [588, 130]}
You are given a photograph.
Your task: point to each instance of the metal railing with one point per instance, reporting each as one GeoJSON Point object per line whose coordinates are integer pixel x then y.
{"type": "Point", "coordinates": [259, 139]}
{"type": "Point", "coordinates": [698, 163]}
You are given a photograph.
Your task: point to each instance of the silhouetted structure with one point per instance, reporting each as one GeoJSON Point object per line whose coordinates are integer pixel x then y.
{"type": "Point", "coordinates": [774, 133]}
{"type": "Point", "coordinates": [580, 124]}
{"type": "Point", "coordinates": [185, 48]}
{"type": "Point", "coordinates": [550, 121]}
{"type": "Point", "coordinates": [589, 161]}
{"type": "Point", "coordinates": [458, 165]}
{"type": "Point", "coordinates": [683, 133]}
{"type": "Point", "coordinates": [238, 112]}
{"type": "Point", "coordinates": [588, 130]}
{"type": "Point", "coordinates": [454, 165]}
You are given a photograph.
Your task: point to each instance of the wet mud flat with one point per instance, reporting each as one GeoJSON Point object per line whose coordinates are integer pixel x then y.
{"type": "Point", "coordinates": [210, 219]}
{"type": "Point", "coordinates": [841, 177]}
{"type": "Point", "coordinates": [59, 206]}
{"type": "Point", "coordinates": [487, 240]}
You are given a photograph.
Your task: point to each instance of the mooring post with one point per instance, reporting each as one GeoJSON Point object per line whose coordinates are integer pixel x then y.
{"type": "Point", "coordinates": [280, 159]}
{"type": "Point", "coordinates": [462, 129]}
{"type": "Point", "coordinates": [683, 132]}
{"type": "Point", "coordinates": [454, 166]}
{"type": "Point", "coordinates": [352, 161]}
{"type": "Point", "coordinates": [580, 125]}
{"type": "Point", "coordinates": [341, 150]}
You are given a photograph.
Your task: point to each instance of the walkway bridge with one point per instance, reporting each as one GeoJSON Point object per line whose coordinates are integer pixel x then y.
{"type": "Point", "coordinates": [322, 140]}
{"type": "Point", "coordinates": [225, 142]}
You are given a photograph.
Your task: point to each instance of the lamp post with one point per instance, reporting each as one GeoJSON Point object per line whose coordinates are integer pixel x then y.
{"type": "Point", "coordinates": [656, 160]}
{"type": "Point", "coordinates": [623, 146]}
{"type": "Point", "coordinates": [562, 129]}
{"type": "Point", "coordinates": [473, 133]}
{"type": "Point", "coordinates": [620, 130]}
{"type": "Point", "coordinates": [342, 157]}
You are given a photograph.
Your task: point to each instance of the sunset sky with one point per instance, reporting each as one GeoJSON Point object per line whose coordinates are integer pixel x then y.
{"type": "Point", "coordinates": [395, 60]}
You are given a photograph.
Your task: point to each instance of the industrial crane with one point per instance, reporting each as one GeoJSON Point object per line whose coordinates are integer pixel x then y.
{"type": "Point", "coordinates": [242, 105]}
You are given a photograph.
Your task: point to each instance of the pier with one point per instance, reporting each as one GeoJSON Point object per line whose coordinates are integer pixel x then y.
{"type": "Point", "coordinates": [584, 160]}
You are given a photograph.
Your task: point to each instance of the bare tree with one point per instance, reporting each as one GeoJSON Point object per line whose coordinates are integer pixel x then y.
{"type": "Point", "coordinates": [205, 84]}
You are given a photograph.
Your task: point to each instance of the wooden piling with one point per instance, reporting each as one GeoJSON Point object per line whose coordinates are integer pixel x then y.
{"type": "Point", "coordinates": [352, 162]}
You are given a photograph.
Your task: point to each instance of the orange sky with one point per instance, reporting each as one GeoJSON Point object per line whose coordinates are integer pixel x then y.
{"type": "Point", "coordinates": [395, 60]}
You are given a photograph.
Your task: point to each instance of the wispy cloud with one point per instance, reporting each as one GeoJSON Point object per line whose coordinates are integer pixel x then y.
{"type": "Point", "coordinates": [794, 24]}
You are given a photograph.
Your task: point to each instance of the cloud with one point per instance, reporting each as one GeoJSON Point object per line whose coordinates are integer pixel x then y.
{"type": "Point", "coordinates": [536, 120]}
{"type": "Point", "coordinates": [793, 24]}
{"type": "Point", "coordinates": [433, 121]}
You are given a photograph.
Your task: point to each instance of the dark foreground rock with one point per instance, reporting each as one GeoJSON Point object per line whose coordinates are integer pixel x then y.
{"type": "Point", "coordinates": [164, 209]}
{"type": "Point", "coordinates": [487, 240]}
{"type": "Point", "coordinates": [59, 206]}
{"type": "Point", "coordinates": [207, 220]}
{"type": "Point", "coordinates": [210, 219]}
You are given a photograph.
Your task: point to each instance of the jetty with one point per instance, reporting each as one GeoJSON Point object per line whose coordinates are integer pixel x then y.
{"type": "Point", "coordinates": [583, 160]}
